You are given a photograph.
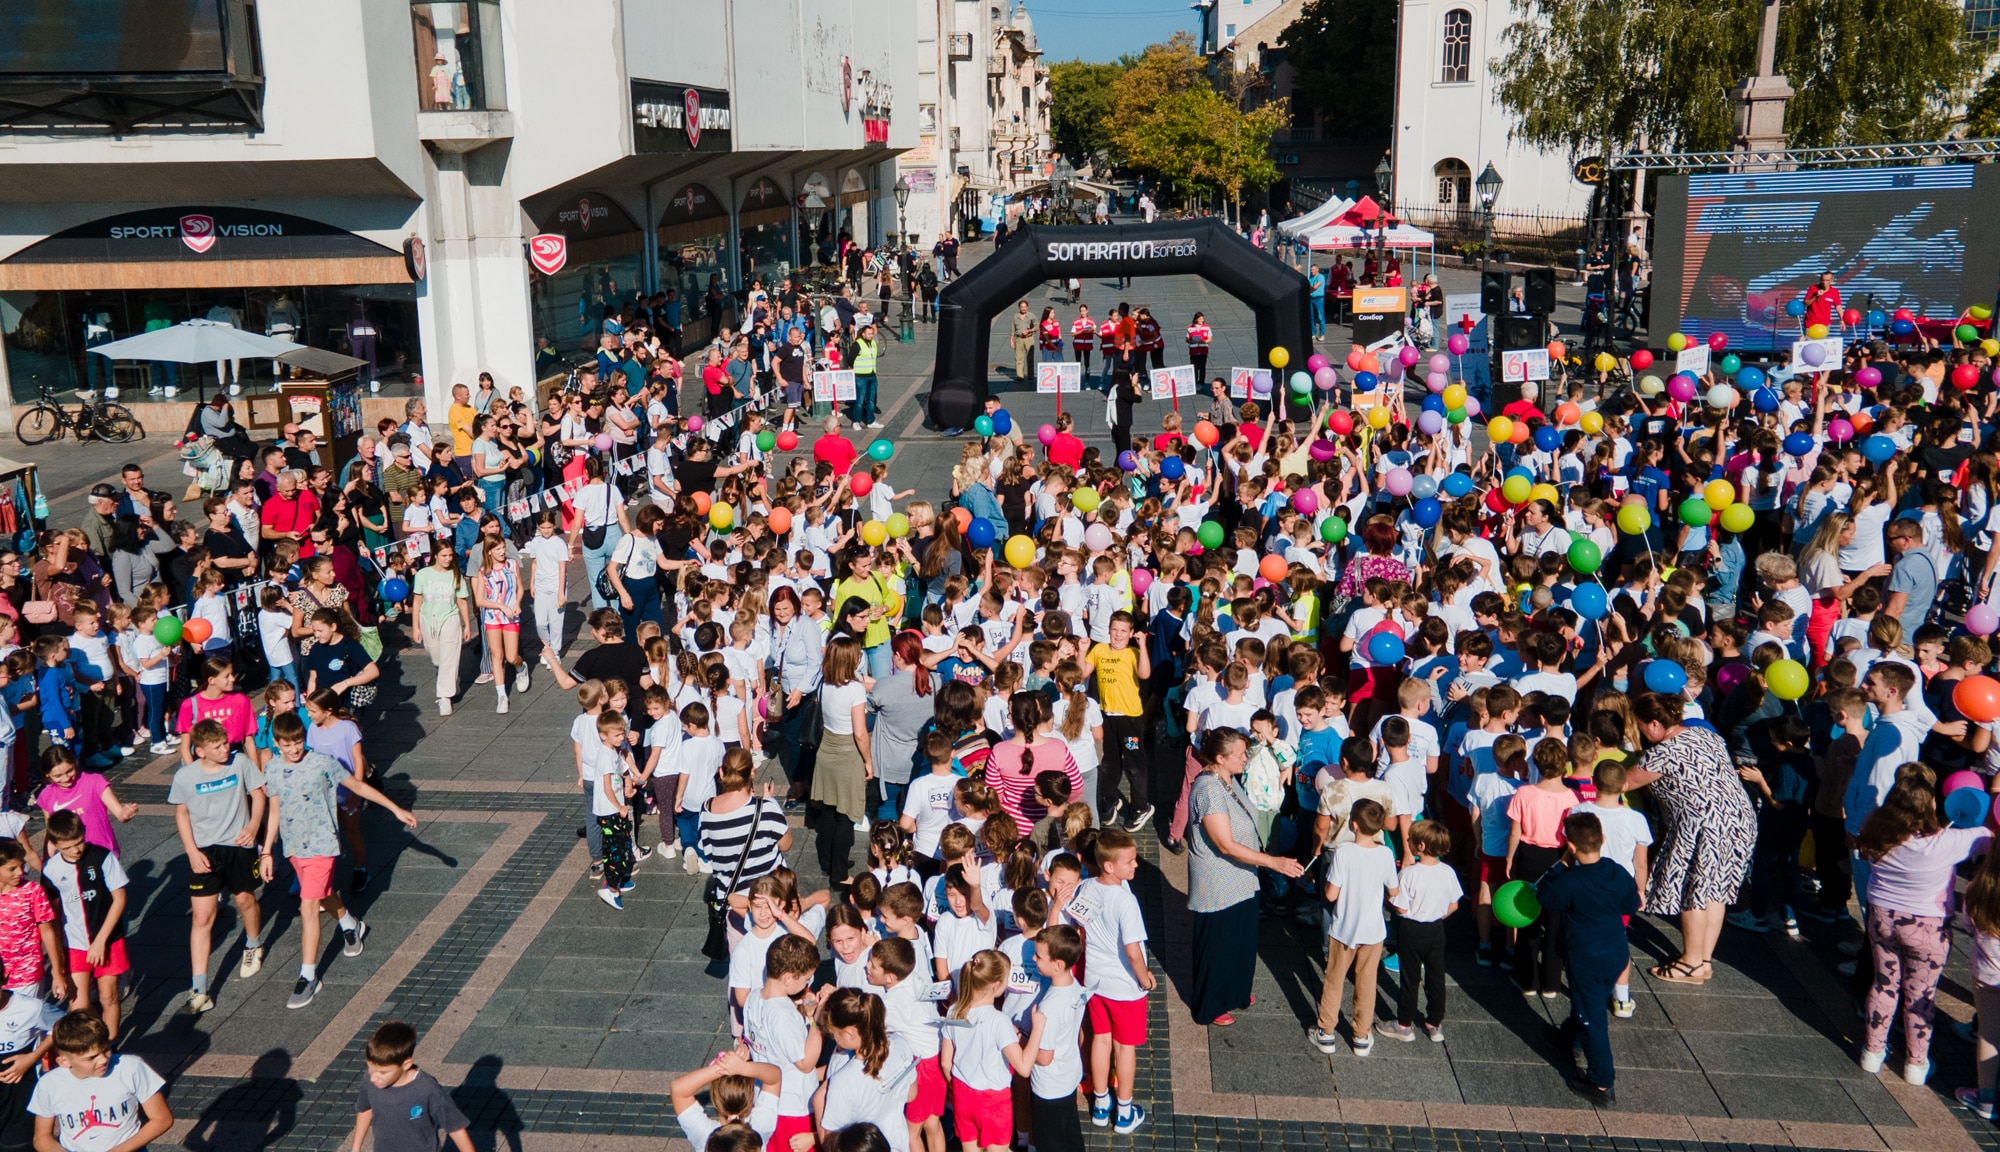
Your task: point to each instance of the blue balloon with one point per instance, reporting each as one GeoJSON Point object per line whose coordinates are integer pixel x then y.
{"type": "Point", "coordinates": [1523, 473]}
{"type": "Point", "coordinates": [1799, 443]}
{"type": "Point", "coordinates": [1589, 601]}
{"type": "Point", "coordinates": [1364, 381]}
{"type": "Point", "coordinates": [1765, 400]}
{"type": "Point", "coordinates": [1386, 648]}
{"type": "Point", "coordinates": [1398, 457]}
{"type": "Point", "coordinates": [1547, 438]}
{"type": "Point", "coordinates": [1426, 512]}
{"type": "Point", "coordinates": [1877, 317]}
{"type": "Point", "coordinates": [1173, 468]}
{"type": "Point", "coordinates": [395, 590]}
{"type": "Point", "coordinates": [1424, 487]}
{"type": "Point", "coordinates": [1795, 307]}
{"type": "Point", "coordinates": [1879, 449]}
{"type": "Point", "coordinates": [1903, 327]}
{"type": "Point", "coordinates": [1665, 677]}
{"type": "Point", "coordinates": [1003, 422]}
{"type": "Point", "coordinates": [981, 534]}
{"type": "Point", "coordinates": [1456, 485]}
{"type": "Point", "coordinates": [1433, 403]}
{"type": "Point", "coordinates": [1966, 807]}
{"type": "Point", "coordinates": [1748, 377]}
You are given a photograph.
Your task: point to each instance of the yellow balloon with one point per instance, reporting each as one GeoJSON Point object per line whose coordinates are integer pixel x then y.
{"type": "Point", "coordinates": [1454, 397]}
{"type": "Point", "coordinates": [1990, 347]}
{"type": "Point", "coordinates": [1546, 492]}
{"type": "Point", "coordinates": [1592, 423]}
{"type": "Point", "coordinates": [1606, 361]}
{"type": "Point", "coordinates": [1633, 519]}
{"type": "Point", "coordinates": [1499, 429]}
{"type": "Point", "coordinates": [1719, 494]}
{"type": "Point", "coordinates": [1787, 679]}
{"type": "Point", "coordinates": [1738, 518]}
{"type": "Point", "coordinates": [899, 525]}
{"type": "Point", "coordinates": [873, 533]}
{"type": "Point", "coordinates": [1084, 499]}
{"type": "Point", "coordinates": [1021, 551]}
{"type": "Point", "coordinates": [1517, 489]}
{"type": "Point", "coordinates": [1677, 342]}
{"type": "Point", "coordinates": [1815, 331]}
{"type": "Point", "coordinates": [1280, 357]}
{"type": "Point", "coordinates": [1651, 386]}
{"type": "Point", "coordinates": [1980, 312]}
{"type": "Point", "coordinates": [1378, 418]}
{"type": "Point", "coordinates": [721, 516]}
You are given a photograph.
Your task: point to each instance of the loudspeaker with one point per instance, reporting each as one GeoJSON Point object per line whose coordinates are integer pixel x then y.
{"type": "Point", "coordinates": [1538, 290]}
{"type": "Point", "coordinates": [1493, 293]}
{"type": "Point", "coordinates": [1520, 332]}
{"type": "Point", "coordinates": [1368, 329]}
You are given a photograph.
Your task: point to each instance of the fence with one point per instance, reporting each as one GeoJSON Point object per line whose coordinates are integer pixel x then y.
{"type": "Point", "coordinates": [1539, 237]}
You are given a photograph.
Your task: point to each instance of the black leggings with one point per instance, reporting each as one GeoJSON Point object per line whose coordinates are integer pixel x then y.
{"type": "Point", "coordinates": [1537, 960]}
{"type": "Point", "coordinates": [833, 837]}
{"type": "Point", "coordinates": [1420, 956]}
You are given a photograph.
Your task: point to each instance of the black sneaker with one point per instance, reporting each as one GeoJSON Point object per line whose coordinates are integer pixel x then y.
{"type": "Point", "coordinates": [351, 938]}
{"type": "Point", "coordinates": [303, 992]}
{"type": "Point", "coordinates": [1139, 819]}
{"type": "Point", "coordinates": [357, 882]}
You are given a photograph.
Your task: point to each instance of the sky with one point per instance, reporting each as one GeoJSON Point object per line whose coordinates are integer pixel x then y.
{"type": "Point", "coordinates": [1103, 30]}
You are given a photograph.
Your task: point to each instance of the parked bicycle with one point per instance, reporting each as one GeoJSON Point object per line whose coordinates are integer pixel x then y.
{"type": "Point", "coordinates": [104, 420]}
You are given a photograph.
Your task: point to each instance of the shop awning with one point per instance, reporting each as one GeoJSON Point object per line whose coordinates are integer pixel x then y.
{"type": "Point", "coordinates": [78, 277]}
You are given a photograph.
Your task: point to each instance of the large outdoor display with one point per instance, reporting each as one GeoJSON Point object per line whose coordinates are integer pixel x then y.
{"type": "Point", "coordinates": [1276, 293]}
{"type": "Point", "coordinates": [112, 36]}
{"type": "Point", "coordinates": [1733, 249]}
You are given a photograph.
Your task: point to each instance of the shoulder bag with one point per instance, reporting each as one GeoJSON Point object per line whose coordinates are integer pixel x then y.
{"type": "Point", "coordinates": [716, 946]}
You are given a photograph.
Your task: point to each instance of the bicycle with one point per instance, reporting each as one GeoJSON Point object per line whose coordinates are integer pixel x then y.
{"type": "Point", "coordinates": [47, 420]}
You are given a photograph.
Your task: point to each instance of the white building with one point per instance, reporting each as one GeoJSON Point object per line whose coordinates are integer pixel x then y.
{"type": "Point", "coordinates": [1224, 20]}
{"type": "Point", "coordinates": [370, 173]}
{"type": "Point", "coordinates": [982, 113]}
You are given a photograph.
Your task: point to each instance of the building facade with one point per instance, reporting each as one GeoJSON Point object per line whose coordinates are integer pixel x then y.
{"type": "Point", "coordinates": [431, 187]}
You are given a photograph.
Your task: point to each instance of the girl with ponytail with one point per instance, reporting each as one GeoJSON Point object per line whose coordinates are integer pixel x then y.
{"type": "Point", "coordinates": [871, 1075]}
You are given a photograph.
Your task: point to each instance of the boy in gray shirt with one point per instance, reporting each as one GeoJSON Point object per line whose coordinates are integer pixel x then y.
{"type": "Point", "coordinates": [405, 1106]}
{"type": "Point", "coordinates": [218, 804]}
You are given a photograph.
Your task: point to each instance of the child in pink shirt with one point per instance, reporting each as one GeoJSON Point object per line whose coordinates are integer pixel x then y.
{"type": "Point", "coordinates": [85, 793]}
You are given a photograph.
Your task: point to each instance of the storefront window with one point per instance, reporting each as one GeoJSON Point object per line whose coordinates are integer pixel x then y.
{"type": "Point", "coordinates": [598, 281]}
{"type": "Point", "coordinates": [458, 56]}
{"type": "Point", "coordinates": [764, 233]}
{"type": "Point", "coordinates": [693, 235]}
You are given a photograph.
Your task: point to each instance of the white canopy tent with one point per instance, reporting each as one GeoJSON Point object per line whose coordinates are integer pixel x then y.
{"type": "Point", "coordinates": [1355, 238]}
{"type": "Point", "coordinates": [1325, 214]}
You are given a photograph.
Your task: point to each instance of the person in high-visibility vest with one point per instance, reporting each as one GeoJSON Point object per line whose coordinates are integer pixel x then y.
{"type": "Point", "coordinates": [865, 352]}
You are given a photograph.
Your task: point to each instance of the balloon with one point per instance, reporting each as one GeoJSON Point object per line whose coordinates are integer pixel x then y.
{"type": "Point", "coordinates": [1787, 679]}
{"type": "Point", "coordinates": [1964, 377]}
{"type": "Point", "coordinates": [1385, 648]}
{"type": "Point", "coordinates": [1589, 601]}
{"type": "Point", "coordinates": [787, 441]}
{"type": "Point", "coordinates": [1454, 396]}
{"type": "Point", "coordinates": [1730, 676]}
{"type": "Point", "coordinates": [766, 440]}
{"type": "Point", "coordinates": [1966, 333]}
{"type": "Point", "coordinates": [167, 630]}
{"type": "Point", "coordinates": [1354, 359]}
{"type": "Point", "coordinates": [1976, 696]}
{"type": "Point", "coordinates": [980, 534]}
{"type": "Point", "coordinates": [899, 525]}
{"type": "Point", "coordinates": [1206, 434]}
{"type": "Point", "coordinates": [395, 590]}
{"type": "Point", "coordinates": [1457, 485]}
{"type": "Point", "coordinates": [1544, 492]}
{"type": "Point", "coordinates": [1695, 512]}
{"type": "Point", "coordinates": [1210, 534]}
{"type": "Point", "coordinates": [1499, 429]}
{"type": "Point", "coordinates": [1547, 438]}
{"type": "Point", "coordinates": [1326, 379]}
{"type": "Point", "coordinates": [1340, 423]}
{"type": "Point", "coordinates": [1719, 494]}
{"type": "Point", "coordinates": [1333, 529]}
{"type": "Point", "coordinates": [1676, 342]}
{"type": "Point", "coordinates": [1522, 471]}
{"type": "Point", "coordinates": [983, 425]}
{"type": "Point", "coordinates": [874, 533]}
{"type": "Point", "coordinates": [1515, 904]}
{"type": "Point", "coordinates": [1665, 677]}
{"type": "Point", "coordinates": [1173, 468]}
{"type": "Point", "coordinates": [1085, 499]}
{"type": "Point", "coordinates": [695, 423]}
{"type": "Point", "coordinates": [1365, 381]}
{"type": "Point", "coordinates": [1651, 386]}
{"type": "Point", "coordinates": [1021, 551]}
{"type": "Point", "coordinates": [721, 516]}
{"type": "Point", "coordinates": [1904, 314]}
{"type": "Point", "coordinates": [1815, 331]}
{"type": "Point", "coordinates": [1457, 343]}
{"type": "Point", "coordinates": [1605, 362]}
{"type": "Point", "coordinates": [1568, 413]}
{"type": "Point", "coordinates": [1877, 318]}
{"type": "Point", "coordinates": [1738, 518]}
{"type": "Point", "coordinates": [1301, 383]}
{"type": "Point", "coordinates": [1454, 415]}
{"type": "Point", "coordinates": [1795, 307]}
{"type": "Point", "coordinates": [1097, 538]}
{"type": "Point", "coordinates": [1273, 568]}
{"type": "Point", "coordinates": [1990, 346]}
{"type": "Point", "coordinates": [1472, 405]}
{"type": "Point", "coordinates": [1981, 620]}
{"type": "Point", "coordinates": [1585, 556]}
{"type": "Point", "coordinates": [1003, 422]}
{"type": "Point", "coordinates": [1863, 423]}
{"type": "Point", "coordinates": [1980, 312]}
{"type": "Point", "coordinates": [1731, 364]}
{"type": "Point", "coordinates": [1903, 327]}
{"type": "Point", "coordinates": [1634, 519]}
{"type": "Point", "coordinates": [862, 483]}
{"type": "Point", "coordinates": [963, 519]}
{"type": "Point", "coordinates": [1764, 400]}
{"type": "Point", "coordinates": [1963, 778]}
{"type": "Point", "coordinates": [1369, 363]}
{"type": "Point", "coordinates": [1879, 449]}
{"type": "Point", "coordinates": [1839, 431]}
{"type": "Point", "coordinates": [1378, 418]}
{"type": "Point", "coordinates": [1280, 357]}
{"type": "Point", "coordinates": [1516, 489]}
{"type": "Point", "coordinates": [780, 520]}
{"type": "Point", "coordinates": [1439, 362]}
{"type": "Point", "coordinates": [1495, 501]}
{"type": "Point", "coordinates": [1642, 359]}
{"type": "Point", "coordinates": [1398, 481]}
{"type": "Point", "coordinates": [1305, 501]}
{"type": "Point", "coordinates": [1557, 350]}
{"type": "Point", "coordinates": [1437, 382]}
{"type": "Point", "coordinates": [1813, 354]}
{"type": "Point", "coordinates": [1753, 377]}
{"type": "Point", "coordinates": [1722, 396]}
{"type": "Point", "coordinates": [1868, 376]}
{"type": "Point", "coordinates": [1047, 433]}
{"type": "Point", "coordinates": [1966, 807]}
{"type": "Point", "coordinates": [1851, 317]}
{"type": "Point", "coordinates": [1315, 362]}
{"type": "Point", "coordinates": [1408, 356]}
{"type": "Point", "coordinates": [1424, 487]}
{"type": "Point", "coordinates": [197, 631]}
{"type": "Point", "coordinates": [1427, 512]}
{"type": "Point", "coordinates": [1799, 443]}
{"type": "Point", "coordinates": [1717, 341]}
{"type": "Point", "coordinates": [1127, 462]}
{"type": "Point", "coordinates": [1681, 388]}
{"type": "Point", "coordinates": [1430, 423]}
{"type": "Point", "coordinates": [1323, 450]}
{"type": "Point", "coordinates": [1142, 579]}
{"type": "Point", "coordinates": [702, 501]}
{"type": "Point", "coordinates": [882, 449]}
{"type": "Point", "coordinates": [1591, 422]}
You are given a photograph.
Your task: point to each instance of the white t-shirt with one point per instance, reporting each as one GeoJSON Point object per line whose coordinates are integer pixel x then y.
{"type": "Point", "coordinates": [144, 647]}
{"type": "Point", "coordinates": [1553, 683]}
{"type": "Point", "coordinates": [1867, 550]}
{"type": "Point", "coordinates": [912, 1022]}
{"type": "Point", "coordinates": [960, 938]}
{"type": "Point", "coordinates": [1083, 749]}
{"type": "Point", "coordinates": [836, 705]}
{"type": "Point", "coordinates": [746, 960]}
{"type": "Point", "coordinates": [1409, 781]}
{"type": "Point", "coordinates": [1063, 1010]}
{"type": "Point", "coordinates": [1359, 625]}
{"type": "Point", "coordinates": [1625, 831]}
{"type": "Point", "coordinates": [598, 504]}
{"type": "Point", "coordinates": [24, 1022]}
{"type": "Point", "coordinates": [275, 629]}
{"type": "Point", "coordinates": [697, 1125]}
{"type": "Point", "coordinates": [638, 557]}
{"type": "Point", "coordinates": [698, 758]}
{"type": "Point", "coordinates": [1426, 892]}
{"type": "Point", "coordinates": [1110, 919]}
{"type": "Point", "coordinates": [776, 1032]}
{"type": "Point", "coordinates": [599, 762]}
{"type": "Point", "coordinates": [855, 1097]}
{"type": "Point", "coordinates": [100, 1113]}
{"type": "Point", "coordinates": [1025, 983]}
{"type": "Point", "coordinates": [1424, 744]}
{"type": "Point", "coordinates": [548, 553]}
{"type": "Point", "coordinates": [1363, 873]}
{"type": "Point", "coordinates": [979, 1049]}
{"type": "Point", "coordinates": [928, 802]}
{"type": "Point", "coordinates": [1491, 793]}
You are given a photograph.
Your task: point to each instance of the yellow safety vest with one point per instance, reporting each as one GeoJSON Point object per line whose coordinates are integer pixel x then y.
{"type": "Point", "coordinates": [864, 357]}
{"type": "Point", "coordinates": [1305, 609]}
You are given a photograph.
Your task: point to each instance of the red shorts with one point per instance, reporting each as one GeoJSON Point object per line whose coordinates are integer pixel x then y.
{"type": "Point", "coordinates": [1492, 870]}
{"type": "Point", "coordinates": [114, 964]}
{"type": "Point", "coordinates": [1123, 1020]}
{"type": "Point", "coordinates": [788, 1127]}
{"type": "Point", "coordinates": [983, 1118]}
{"type": "Point", "coordinates": [315, 876]}
{"type": "Point", "coordinates": [928, 1103]}
{"type": "Point", "coordinates": [513, 626]}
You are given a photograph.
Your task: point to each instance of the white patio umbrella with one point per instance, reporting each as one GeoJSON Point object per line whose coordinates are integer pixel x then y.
{"type": "Point", "coordinates": [196, 342]}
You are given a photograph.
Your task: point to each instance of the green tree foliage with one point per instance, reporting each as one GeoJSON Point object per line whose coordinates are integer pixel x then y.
{"type": "Point", "coordinates": [1170, 121]}
{"type": "Point", "coordinates": [1080, 107]}
{"type": "Point", "coordinates": [1590, 76]}
{"type": "Point", "coordinates": [1343, 56]}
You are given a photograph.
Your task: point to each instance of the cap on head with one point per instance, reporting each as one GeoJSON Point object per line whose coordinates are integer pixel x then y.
{"type": "Point", "coordinates": [103, 492]}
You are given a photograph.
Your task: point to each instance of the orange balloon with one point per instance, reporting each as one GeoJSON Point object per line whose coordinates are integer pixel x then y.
{"type": "Point", "coordinates": [1567, 413]}
{"type": "Point", "coordinates": [964, 519]}
{"type": "Point", "coordinates": [1557, 349]}
{"type": "Point", "coordinates": [780, 520]}
{"type": "Point", "coordinates": [197, 631]}
{"type": "Point", "coordinates": [1206, 433]}
{"type": "Point", "coordinates": [1978, 697]}
{"type": "Point", "coordinates": [1520, 435]}
{"type": "Point", "coordinates": [1274, 568]}
{"type": "Point", "coordinates": [702, 500]}
{"type": "Point", "coordinates": [1863, 425]}
{"type": "Point", "coordinates": [1369, 363]}
{"type": "Point", "coordinates": [1354, 356]}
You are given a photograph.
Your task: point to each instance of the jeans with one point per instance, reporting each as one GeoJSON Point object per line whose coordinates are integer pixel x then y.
{"type": "Point", "coordinates": [594, 560]}
{"type": "Point", "coordinates": [645, 594]}
{"type": "Point", "coordinates": [1591, 980]}
{"type": "Point", "coordinates": [592, 834]}
{"type": "Point", "coordinates": [1319, 315]}
{"type": "Point", "coordinates": [491, 490]}
{"type": "Point", "coordinates": [879, 663]}
{"type": "Point", "coordinates": [153, 698]}
{"type": "Point", "coordinates": [892, 799]}
{"type": "Point", "coordinates": [289, 673]}
{"type": "Point", "coordinates": [863, 410]}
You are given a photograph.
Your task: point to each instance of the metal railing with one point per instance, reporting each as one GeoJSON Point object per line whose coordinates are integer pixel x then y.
{"type": "Point", "coordinates": [1984, 148]}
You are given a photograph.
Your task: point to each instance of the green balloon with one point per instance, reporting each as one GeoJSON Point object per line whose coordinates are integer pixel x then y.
{"type": "Point", "coordinates": [1731, 363]}
{"type": "Point", "coordinates": [1695, 512]}
{"type": "Point", "coordinates": [983, 425]}
{"type": "Point", "coordinates": [1210, 534]}
{"type": "Point", "coordinates": [167, 630]}
{"type": "Point", "coordinates": [1585, 556]}
{"type": "Point", "coordinates": [1516, 905]}
{"type": "Point", "coordinates": [1455, 415]}
{"type": "Point", "coordinates": [1333, 530]}
{"type": "Point", "coordinates": [766, 440]}
{"type": "Point", "coordinates": [882, 449]}
{"type": "Point", "coordinates": [1967, 334]}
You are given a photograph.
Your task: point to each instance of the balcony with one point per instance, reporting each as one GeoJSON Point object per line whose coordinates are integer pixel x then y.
{"type": "Point", "coordinates": [458, 61]}
{"type": "Point", "coordinates": [455, 131]}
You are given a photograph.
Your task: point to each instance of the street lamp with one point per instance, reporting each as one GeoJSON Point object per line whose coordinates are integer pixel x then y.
{"type": "Point", "coordinates": [1064, 180]}
{"type": "Point", "coordinates": [907, 333]}
{"type": "Point", "coordinates": [902, 190]}
{"type": "Point", "coordinates": [815, 208]}
{"type": "Point", "coordinates": [1385, 175]}
{"type": "Point", "coordinates": [1488, 187]}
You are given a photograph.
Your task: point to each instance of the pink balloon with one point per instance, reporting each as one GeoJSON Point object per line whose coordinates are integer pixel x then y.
{"type": "Point", "coordinates": [694, 423]}
{"type": "Point", "coordinates": [1868, 376]}
{"type": "Point", "coordinates": [1046, 434]}
{"type": "Point", "coordinates": [1471, 407]}
{"type": "Point", "coordinates": [1457, 343]}
{"type": "Point", "coordinates": [1398, 482]}
{"type": "Point", "coordinates": [1325, 378]}
{"type": "Point", "coordinates": [1315, 362]}
{"type": "Point", "coordinates": [1323, 450]}
{"type": "Point", "coordinates": [1437, 381]}
{"type": "Point", "coordinates": [1097, 538]}
{"type": "Point", "coordinates": [1839, 431]}
{"type": "Point", "coordinates": [1305, 501]}
{"type": "Point", "coordinates": [1142, 579]}
{"type": "Point", "coordinates": [1963, 778]}
{"type": "Point", "coordinates": [1409, 356]}
{"type": "Point", "coordinates": [1440, 362]}
{"type": "Point", "coordinates": [1981, 620]}
{"type": "Point", "coordinates": [1681, 388]}
{"type": "Point", "coordinates": [603, 442]}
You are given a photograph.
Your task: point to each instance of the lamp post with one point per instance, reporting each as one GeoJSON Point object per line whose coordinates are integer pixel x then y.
{"type": "Point", "coordinates": [815, 208]}
{"type": "Point", "coordinates": [1488, 187]}
{"type": "Point", "coordinates": [1385, 176]}
{"type": "Point", "coordinates": [1063, 180]}
{"type": "Point", "coordinates": [907, 333]}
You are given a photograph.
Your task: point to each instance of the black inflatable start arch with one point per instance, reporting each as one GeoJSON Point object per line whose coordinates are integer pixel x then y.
{"type": "Point", "coordinates": [1275, 291]}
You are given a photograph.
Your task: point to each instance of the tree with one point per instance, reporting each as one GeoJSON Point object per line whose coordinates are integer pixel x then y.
{"type": "Point", "coordinates": [1172, 123]}
{"type": "Point", "coordinates": [1590, 76]}
{"type": "Point", "coordinates": [1080, 108]}
{"type": "Point", "coordinates": [1343, 57]}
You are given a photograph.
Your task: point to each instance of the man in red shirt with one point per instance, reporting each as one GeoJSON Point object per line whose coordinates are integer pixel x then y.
{"type": "Point", "coordinates": [835, 449]}
{"type": "Point", "coordinates": [1822, 301]}
{"type": "Point", "coordinates": [1525, 408]}
{"type": "Point", "coordinates": [289, 514]}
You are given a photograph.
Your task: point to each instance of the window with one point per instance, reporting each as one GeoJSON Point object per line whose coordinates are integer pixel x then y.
{"type": "Point", "coordinates": [1229, 30]}
{"type": "Point", "coordinates": [1454, 183]}
{"type": "Point", "coordinates": [1457, 47]}
{"type": "Point", "coordinates": [458, 56]}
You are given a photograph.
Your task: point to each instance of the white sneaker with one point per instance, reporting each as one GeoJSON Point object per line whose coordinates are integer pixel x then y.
{"type": "Point", "coordinates": [705, 867]}
{"type": "Point", "coordinates": [689, 863]}
{"type": "Point", "coordinates": [501, 706]}
{"type": "Point", "coordinates": [1871, 1062]}
{"type": "Point", "coordinates": [875, 424]}
{"type": "Point", "coordinates": [1916, 1073]}
{"type": "Point", "coordinates": [444, 705]}
{"type": "Point", "coordinates": [521, 679]}
{"type": "Point", "coordinates": [857, 424]}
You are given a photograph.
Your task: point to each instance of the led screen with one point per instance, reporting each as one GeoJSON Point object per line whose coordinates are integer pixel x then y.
{"type": "Point", "coordinates": [112, 37]}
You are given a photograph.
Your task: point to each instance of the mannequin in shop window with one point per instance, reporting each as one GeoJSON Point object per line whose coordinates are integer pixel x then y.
{"type": "Point", "coordinates": [361, 337]}
{"type": "Point", "coordinates": [281, 322]}
{"type": "Point", "coordinates": [96, 330]}
{"type": "Point", "coordinates": [227, 372]}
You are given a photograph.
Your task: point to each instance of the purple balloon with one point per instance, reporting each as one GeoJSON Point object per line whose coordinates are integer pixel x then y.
{"type": "Point", "coordinates": [1868, 377]}
{"type": "Point", "coordinates": [1981, 620]}
{"type": "Point", "coordinates": [1437, 381]}
{"type": "Point", "coordinates": [1430, 423]}
{"type": "Point", "coordinates": [1813, 354]}
{"type": "Point", "coordinates": [1839, 430]}
{"type": "Point", "coordinates": [1315, 362]}
{"type": "Point", "coordinates": [1127, 462]}
{"type": "Point", "coordinates": [1457, 343]}
{"type": "Point", "coordinates": [1471, 407]}
{"type": "Point", "coordinates": [1440, 362]}
{"type": "Point", "coordinates": [1681, 388]}
{"type": "Point", "coordinates": [1409, 356]}
{"type": "Point", "coordinates": [1323, 450]}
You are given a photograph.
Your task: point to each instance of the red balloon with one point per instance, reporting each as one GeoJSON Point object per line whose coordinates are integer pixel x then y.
{"type": "Point", "coordinates": [787, 441]}
{"type": "Point", "coordinates": [197, 631]}
{"type": "Point", "coordinates": [1717, 341]}
{"type": "Point", "coordinates": [1641, 359]}
{"type": "Point", "coordinates": [1976, 696]}
{"type": "Point", "coordinates": [1851, 317]}
{"type": "Point", "coordinates": [1903, 314]}
{"type": "Point", "coordinates": [1354, 359]}
{"type": "Point", "coordinates": [862, 483]}
{"type": "Point", "coordinates": [1274, 568]}
{"type": "Point", "coordinates": [1965, 377]}
{"type": "Point", "coordinates": [1340, 423]}
{"type": "Point", "coordinates": [703, 502]}
{"type": "Point", "coordinates": [1495, 500]}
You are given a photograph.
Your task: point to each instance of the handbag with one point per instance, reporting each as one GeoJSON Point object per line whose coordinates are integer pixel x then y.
{"type": "Point", "coordinates": [812, 723]}
{"type": "Point", "coordinates": [593, 538]}
{"type": "Point", "coordinates": [716, 896]}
